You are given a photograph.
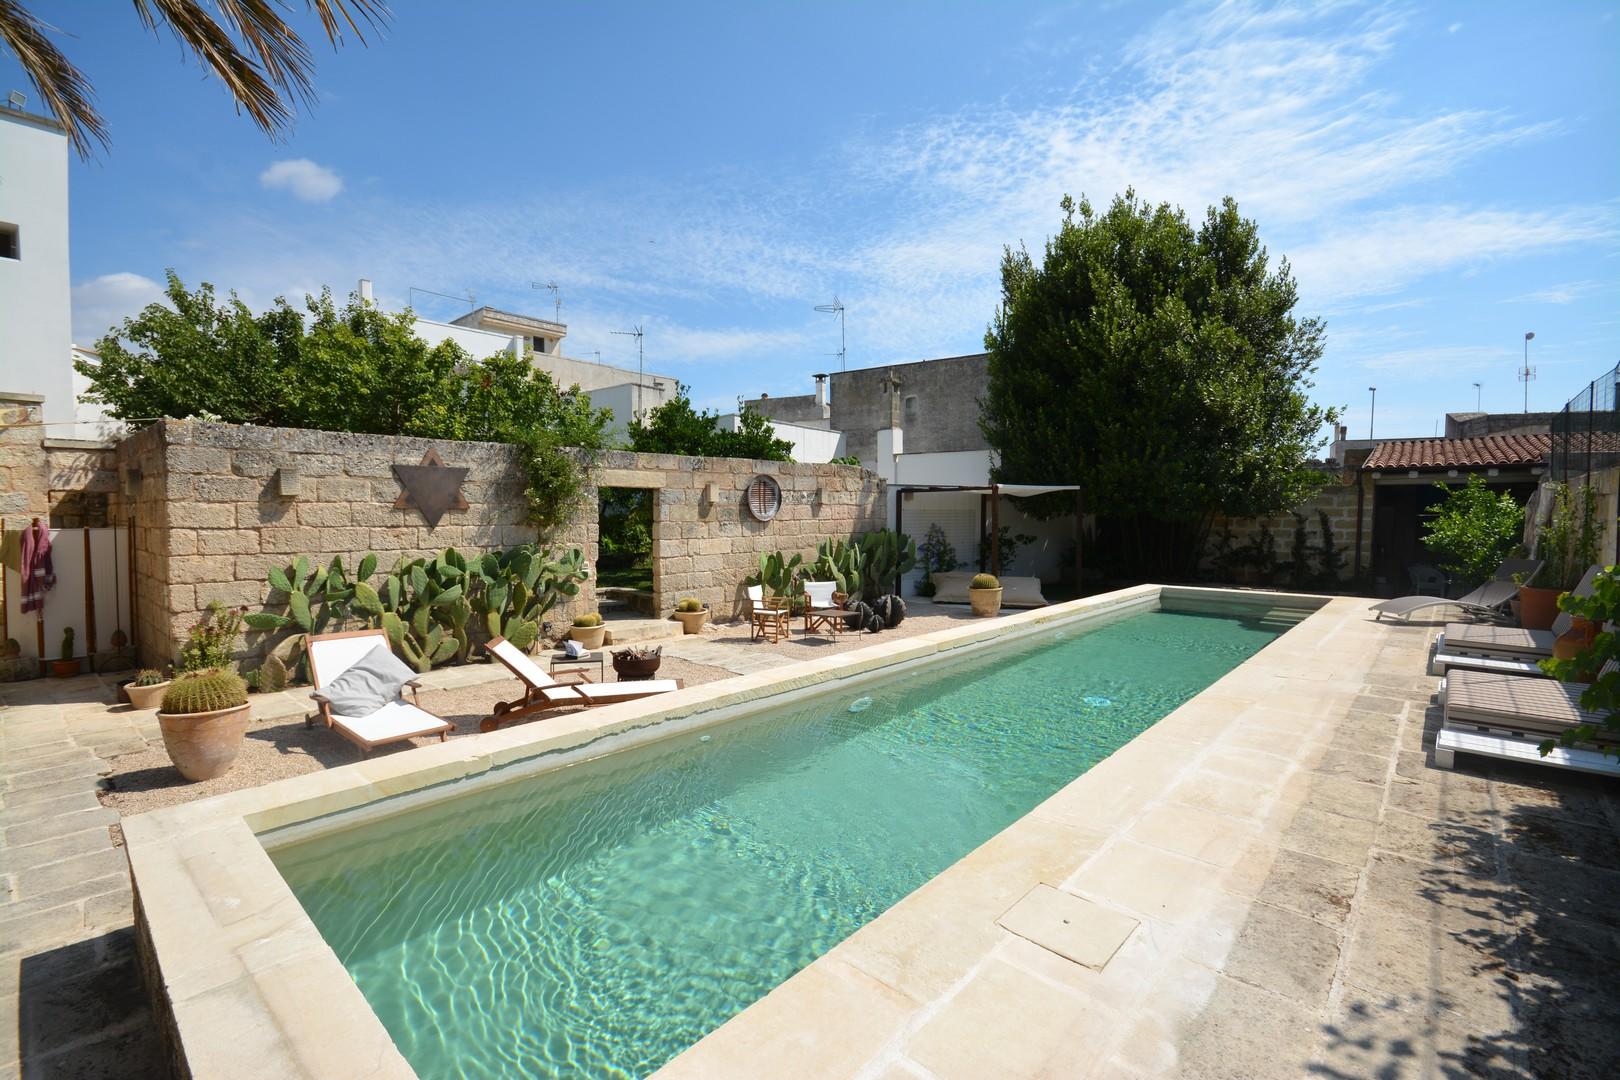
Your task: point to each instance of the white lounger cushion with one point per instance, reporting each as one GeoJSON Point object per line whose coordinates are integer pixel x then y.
{"type": "Point", "coordinates": [585, 693]}
{"type": "Point", "coordinates": [1498, 640]}
{"type": "Point", "coordinates": [396, 720]}
{"type": "Point", "coordinates": [520, 665]}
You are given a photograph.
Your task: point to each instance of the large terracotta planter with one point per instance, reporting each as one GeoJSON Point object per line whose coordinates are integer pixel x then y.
{"type": "Point", "coordinates": [589, 636]}
{"type": "Point", "coordinates": [692, 621]}
{"type": "Point", "coordinates": [984, 602]}
{"type": "Point", "coordinates": [146, 697]}
{"type": "Point", "coordinates": [64, 669]}
{"type": "Point", "coordinates": [1538, 607]}
{"type": "Point", "coordinates": [204, 745]}
{"type": "Point", "coordinates": [1574, 641]}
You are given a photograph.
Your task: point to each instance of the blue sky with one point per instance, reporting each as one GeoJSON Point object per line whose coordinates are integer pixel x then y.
{"type": "Point", "coordinates": [1443, 178]}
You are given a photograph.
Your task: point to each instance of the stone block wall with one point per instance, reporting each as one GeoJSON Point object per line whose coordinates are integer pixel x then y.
{"type": "Point", "coordinates": [1338, 499]}
{"type": "Point", "coordinates": [210, 522]}
{"type": "Point", "coordinates": [23, 479]}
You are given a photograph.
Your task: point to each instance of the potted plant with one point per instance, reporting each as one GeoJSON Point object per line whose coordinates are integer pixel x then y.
{"type": "Point", "coordinates": [637, 662]}
{"type": "Point", "coordinates": [1568, 544]}
{"type": "Point", "coordinates": [67, 666]}
{"type": "Point", "coordinates": [588, 630]}
{"type": "Point", "coordinates": [203, 718]}
{"type": "Point", "coordinates": [984, 594]}
{"type": "Point", "coordinates": [147, 689]}
{"type": "Point", "coordinates": [691, 614]}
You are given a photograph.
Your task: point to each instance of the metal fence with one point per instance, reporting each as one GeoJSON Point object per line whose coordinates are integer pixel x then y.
{"type": "Point", "coordinates": [1586, 432]}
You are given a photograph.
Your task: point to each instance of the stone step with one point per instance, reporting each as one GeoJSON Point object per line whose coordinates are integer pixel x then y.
{"type": "Point", "coordinates": [636, 631]}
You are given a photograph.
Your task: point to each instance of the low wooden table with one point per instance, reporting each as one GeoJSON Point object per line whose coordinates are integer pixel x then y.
{"type": "Point", "coordinates": [561, 661]}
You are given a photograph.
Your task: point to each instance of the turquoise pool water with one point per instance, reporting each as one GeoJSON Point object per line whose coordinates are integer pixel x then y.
{"type": "Point", "coordinates": [598, 920]}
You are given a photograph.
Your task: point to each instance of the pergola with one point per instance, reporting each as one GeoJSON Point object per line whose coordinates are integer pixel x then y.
{"type": "Point", "coordinates": [995, 491]}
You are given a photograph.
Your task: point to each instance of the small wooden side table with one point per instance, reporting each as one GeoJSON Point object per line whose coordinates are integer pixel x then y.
{"type": "Point", "coordinates": [562, 662]}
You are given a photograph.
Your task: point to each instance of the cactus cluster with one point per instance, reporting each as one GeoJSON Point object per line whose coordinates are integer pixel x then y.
{"type": "Point", "coordinates": [889, 556]}
{"type": "Point", "coordinates": [67, 643]}
{"type": "Point", "coordinates": [778, 572]}
{"type": "Point", "coordinates": [840, 562]}
{"type": "Point", "coordinates": [984, 581]}
{"type": "Point", "coordinates": [689, 604]}
{"type": "Point", "coordinates": [429, 607]}
{"type": "Point", "coordinates": [586, 622]}
{"type": "Point", "coordinates": [150, 677]}
{"type": "Point", "coordinates": [204, 691]}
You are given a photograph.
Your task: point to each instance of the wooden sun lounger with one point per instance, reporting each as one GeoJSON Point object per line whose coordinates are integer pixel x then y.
{"type": "Point", "coordinates": [1506, 716]}
{"type": "Point", "coordinates": [1505, 643]}
{"type": "Point", "coordinates": [542, 693]}
{"type": "Point", "coordinates": [330, 655]}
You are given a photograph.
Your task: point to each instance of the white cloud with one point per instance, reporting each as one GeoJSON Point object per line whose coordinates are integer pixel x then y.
{"type": "Point", "coordinates": [102, 303]}
{"type": "Point", "coordinates": [1567, 293]}
{"type": "Point", "coordinates": [304, 178]}
{"type": "Point", "coordinates": [1443, 360]}
{"type": "Point", "coordinates": [1454, 27]}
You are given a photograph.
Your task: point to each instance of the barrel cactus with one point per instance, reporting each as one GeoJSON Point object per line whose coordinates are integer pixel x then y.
{"type": "Point", "coordinates": [205, 691]}
{"type": "Point", "coordinates": [984, 581]}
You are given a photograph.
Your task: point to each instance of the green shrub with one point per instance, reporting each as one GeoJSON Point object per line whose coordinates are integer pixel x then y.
{"type": "Point", "coordinates": [690, 603]}
{"type": "Point", "coordinates": [205, 691]}
{"type": "Point", "coordinates": [586, 622]}
{"type": "Point", "coordinates": [1474, 529]}
{"type": "Point", "coordinates": [1569, 541]}
{"type": "Point", "coordinates": [984, 581]}
{"type": "Point", "coordinates": [211, 641]}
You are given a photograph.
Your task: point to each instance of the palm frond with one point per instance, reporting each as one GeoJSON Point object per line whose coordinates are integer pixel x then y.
{"type": "Point", "coordinates": [67, 93]}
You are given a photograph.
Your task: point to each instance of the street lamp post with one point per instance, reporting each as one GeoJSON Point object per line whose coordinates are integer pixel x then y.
{"type": "Point", "coordinates": [1373, 414]}
{"type": "Point", "coordinates": [1527, 373]}
{"type": "Point", "coordinates": [1476, 398]}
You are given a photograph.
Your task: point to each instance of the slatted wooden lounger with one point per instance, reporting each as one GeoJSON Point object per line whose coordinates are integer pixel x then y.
{"type": "Point", "coordinates": [1511, 649]}
{"type": "Point", "coordinates": [542, 693]}
{"type": "Point", "coordinates": [330, 655]}
{"type": "Point", "coordinates": [1508, 716]}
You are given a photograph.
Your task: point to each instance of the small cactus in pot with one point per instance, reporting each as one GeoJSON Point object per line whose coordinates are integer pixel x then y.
{"type": "Point", "coordinates": [67, 666]}
{"type": "Point", "coordinates": [691, 614]}
{"type": "Point", "coordinates": [204, 716]}
{"type": "Point", "coordinates": [588, 630]}
{"type": "Point", "coordinates": [984, 594]}
{"type": "Point", "coordinates": [148, 688]}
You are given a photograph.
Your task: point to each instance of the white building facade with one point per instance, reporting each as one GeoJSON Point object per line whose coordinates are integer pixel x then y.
{"type": "Point", "coordinates": [36, 298]}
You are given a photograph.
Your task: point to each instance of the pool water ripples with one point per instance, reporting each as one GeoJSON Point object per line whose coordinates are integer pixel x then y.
{"type": "Point", "coordinates": [597, 920]}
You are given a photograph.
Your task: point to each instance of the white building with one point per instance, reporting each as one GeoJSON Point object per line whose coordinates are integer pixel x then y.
{"type": "Point", "coordinates": [487, 331]}
{"type": "Point", "coordinates": [36, 312]}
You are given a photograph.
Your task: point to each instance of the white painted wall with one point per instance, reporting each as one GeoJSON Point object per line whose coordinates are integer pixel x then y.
{"type": "Point", "coordinates": [622, 400]}
{"type": "Point", "coordinates": [36, 312]}
{"type": "Point", "coordinates": [946, 467]}
{"type": "Point", "coordinates": [811, 445]}
{"type": "Point", "coordinates": [480, 344]}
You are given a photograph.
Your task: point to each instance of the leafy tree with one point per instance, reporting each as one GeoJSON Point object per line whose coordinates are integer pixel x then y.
{"type": "Point", "coordinates": [1474, 529]}
{"type": "Point", "coordinates": [1160, 367]}
{"type": "Point", "coordinates": [262, 61]}
{"type": "Point", "coordinates": [675, 427]}
{"type": "Point", "coordinates": [353, 368]}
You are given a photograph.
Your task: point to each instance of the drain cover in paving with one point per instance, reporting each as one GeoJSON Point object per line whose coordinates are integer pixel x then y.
{"type": "Point", "coordinates": [1063, 923]}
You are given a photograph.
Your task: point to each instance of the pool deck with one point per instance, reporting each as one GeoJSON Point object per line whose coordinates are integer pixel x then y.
{"type": "Point", "coordinates": [1271, 881]}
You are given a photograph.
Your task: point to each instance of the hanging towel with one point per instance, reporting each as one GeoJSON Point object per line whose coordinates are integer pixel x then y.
{"type": "Point", "coordinates": [38, 575]}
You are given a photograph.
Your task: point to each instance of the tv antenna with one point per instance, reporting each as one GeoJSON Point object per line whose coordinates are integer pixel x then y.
{"type": "Point", "coordinates": [837, 308]}
{"type": "Point", "coordinates": [1527, 374]}
{"type": "Point", "coordinates": [410, 297]}
{"type": "Point", "coordinates": [556, 298]}
{"type": "Point", "coordinates": [641, 361]}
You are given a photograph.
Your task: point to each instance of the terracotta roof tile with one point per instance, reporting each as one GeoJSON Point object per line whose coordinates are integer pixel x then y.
{"type": "Point", "coordinates": [1490, 450]}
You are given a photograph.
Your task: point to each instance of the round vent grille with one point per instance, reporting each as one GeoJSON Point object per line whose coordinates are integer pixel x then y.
{"type": "Point", "coordinates": [764, 497]}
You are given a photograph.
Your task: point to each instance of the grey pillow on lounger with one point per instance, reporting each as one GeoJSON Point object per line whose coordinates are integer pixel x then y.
{"type": "Point", "coordinates": [372, 682]}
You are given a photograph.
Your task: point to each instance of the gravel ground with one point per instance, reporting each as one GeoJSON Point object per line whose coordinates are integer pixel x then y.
{"type": "Point", "coordinates": [922, 618]}
{"type": "Point", "coordinates": [276, 749]}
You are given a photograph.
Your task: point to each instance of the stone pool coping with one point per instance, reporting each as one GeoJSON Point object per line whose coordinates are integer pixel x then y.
{"type": "Point", "coordinates": [246, 986]}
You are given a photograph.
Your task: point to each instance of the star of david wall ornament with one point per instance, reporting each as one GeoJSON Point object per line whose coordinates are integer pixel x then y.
{"type": "Point", "coordinates": [432, 487]}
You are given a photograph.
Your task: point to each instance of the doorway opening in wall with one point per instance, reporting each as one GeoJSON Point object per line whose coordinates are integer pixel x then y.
{"type": "Point", "coordinates": [624, 559]}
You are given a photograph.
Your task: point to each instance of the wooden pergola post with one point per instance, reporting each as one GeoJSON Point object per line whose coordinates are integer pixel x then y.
{"type": "Point", "coordinates": [995, 530]}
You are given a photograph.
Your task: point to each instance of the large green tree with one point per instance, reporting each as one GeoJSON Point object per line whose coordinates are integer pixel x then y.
{"type": "Point", "coordinates": [1162, 368]}
{"type": "Point", "coordinates": [351, 368]}
{"type": "Point", "coordinates": [675, 427]}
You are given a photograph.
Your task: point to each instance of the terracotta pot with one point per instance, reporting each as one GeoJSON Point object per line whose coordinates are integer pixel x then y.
{"type": "Point", "coordinates": [629, 669]}
{"type": "Point", "coordinates": [64, 669]}
{"type": "Point", "coordinates": [589, 636]}
{"type": "Point", "coordinates": [985, 602]}
{"type": "Point", "coordinates": [1537, 607]}
{"type": "Point", "coordinates": [204, 745]}
{"type": "Point", "coordinates": [146, 697]}
{"type": "Point", "coordinates": [692, 621]}
{"type": "Point", "coordinates": [1576, 640]}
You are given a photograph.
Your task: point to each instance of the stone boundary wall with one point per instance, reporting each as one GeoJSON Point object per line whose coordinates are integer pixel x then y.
{"type": "Point", "coordinates": [1338, 498]}
{"type": "Point", "coordinates": [210, 519]}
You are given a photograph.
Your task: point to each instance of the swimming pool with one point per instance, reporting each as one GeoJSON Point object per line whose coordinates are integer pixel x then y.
{"type": "Point", "coordinates": [598, 919]}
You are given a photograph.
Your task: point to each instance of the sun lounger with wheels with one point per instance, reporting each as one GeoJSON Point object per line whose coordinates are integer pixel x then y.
{"type": "Point", "coordinates": [1509, 717]}
{"type": "Point", "coordinates": [542, 693]}
{"type": "Point", "coordinates": [1507, 643]}
{"type": "Point", "coordinates": [330, 655]}
{"type": "Point", "coordinates": [1488, 602]}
